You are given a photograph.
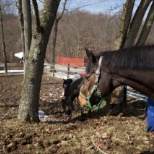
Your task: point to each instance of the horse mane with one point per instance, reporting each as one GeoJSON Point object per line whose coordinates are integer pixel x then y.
{"type": "Point", "coordinates": [136, 58]}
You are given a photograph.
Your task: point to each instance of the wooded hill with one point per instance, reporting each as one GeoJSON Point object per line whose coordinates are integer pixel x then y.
{"type": "Point", "coordinates": [75, 32]}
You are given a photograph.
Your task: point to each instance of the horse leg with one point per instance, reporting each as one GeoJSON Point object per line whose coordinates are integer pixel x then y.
{"type": "Point", "coordinates": [82, 112]}
{"type": "Point", "coordinates": [124, 97]}
{"type": "Point", "coordinates": [89, 112]}
{"type": "Point", "coordinates": [63, 105]}
{"type": "Point", "coordinates": [69, 114]}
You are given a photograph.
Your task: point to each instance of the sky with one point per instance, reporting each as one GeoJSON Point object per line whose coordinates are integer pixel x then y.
{"type": "Point", "coordinates": [96, 6]}
{"type": "Point", "coordinates": [93, 6]}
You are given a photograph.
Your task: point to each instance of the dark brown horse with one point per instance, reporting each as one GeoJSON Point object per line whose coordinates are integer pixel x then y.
{"type": "Point", "coordinates": [72, 93]}
{"type": "Point", "coordinates": [110, 69]}
{"type": "Point", "coordinates": [66, 85]}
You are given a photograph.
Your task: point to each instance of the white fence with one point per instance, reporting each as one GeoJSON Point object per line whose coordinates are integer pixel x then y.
{"type": "Point", "coordinates": [134, 94]}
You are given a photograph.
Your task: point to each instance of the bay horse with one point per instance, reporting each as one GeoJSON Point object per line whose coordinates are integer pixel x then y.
{"type": "Point", "coordinates": [132, 66]}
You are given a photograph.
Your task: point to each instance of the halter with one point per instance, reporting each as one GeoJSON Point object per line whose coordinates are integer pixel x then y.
{"type": "Point", "coordinates": [95, 87]}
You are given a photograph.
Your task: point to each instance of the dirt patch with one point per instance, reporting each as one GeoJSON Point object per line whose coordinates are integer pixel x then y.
{"type": "Point", "coordinates": [119, 133]}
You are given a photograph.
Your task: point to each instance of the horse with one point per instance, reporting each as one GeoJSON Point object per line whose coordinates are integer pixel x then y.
{"type": "Point", "coordinates": [66, 85]}
{"type": "Point", "coordinates": [132, 66]}
{"type": "Point", "coordinates": [71, 94]}
{"type": "Point", "coordinates": [68, 82]}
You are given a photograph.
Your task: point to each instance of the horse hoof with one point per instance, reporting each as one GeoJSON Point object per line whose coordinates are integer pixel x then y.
{"type": "Point", "coordinates": [68, 115]}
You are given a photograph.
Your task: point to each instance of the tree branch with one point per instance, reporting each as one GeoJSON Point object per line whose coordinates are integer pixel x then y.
{"type": "Point", "coordinates": [36, 12]}
{"type": "Point", "coordinates": [63, 10]}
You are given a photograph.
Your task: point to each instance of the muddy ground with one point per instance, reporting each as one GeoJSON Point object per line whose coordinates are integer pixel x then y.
{"type": "Point", "coordinates": [100, 132]}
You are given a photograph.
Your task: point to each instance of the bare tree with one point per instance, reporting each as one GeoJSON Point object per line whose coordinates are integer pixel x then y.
{"type": "Point", "coordinates": [136, 23]}
{"type": "Point", "coordinates": [125, 23]}
{"type": "Point", "coordinates": [27, 29]}
{"type": "Point", "coordinates": [147, 26]}
{"type": "Point", "coordinates": [56, 31]}
{"type": "Point", "coordinates": [3, 40]}
{"type": "Point", "coordinates": [29, 103]}
{"type": "Point", "coordinates": [21, 23]}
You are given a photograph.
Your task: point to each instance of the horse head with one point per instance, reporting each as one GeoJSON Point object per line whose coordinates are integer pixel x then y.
{"type": "Point", "coordinates": [66, 85]}
{"type": "Point", "coordinates": [92, 89]}
{"type": "Point", "coordinates": [89, 94]}
{"type": "Point", "coordinates": [92, 64]}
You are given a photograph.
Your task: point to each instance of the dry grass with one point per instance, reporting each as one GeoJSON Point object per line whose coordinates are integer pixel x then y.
{"type": "Point", "coordinates": [98, 133]}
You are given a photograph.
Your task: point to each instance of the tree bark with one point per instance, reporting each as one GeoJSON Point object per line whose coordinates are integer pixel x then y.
{"type": "Point", "coordinates": [147, 26]}
{"type": "Point", "coordinates": [27, 29]}
{"type": "Point", "coordinates": [136, 23]}
{"type": "Point", "coordinates": [54, 41]}
{"type": "Point", "coordinates": [55, 32]}
{"type": "Point", "coordinates": [21, 23]}
{"type": "Point", "coordinates": [3, 41]}
{"type": "Point", "coordinates": [125, 23]}
{"type": "Point", "coordinates": [29, 103]}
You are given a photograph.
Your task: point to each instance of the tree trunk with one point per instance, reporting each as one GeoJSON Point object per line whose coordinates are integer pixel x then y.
{"type": "Point", "coordinates": [136, 23]}
{"type": "Point", "coordinates": [3, 41]}
{"type": "Point", "coordinates": [21, 23]}
{"type": "Point", "coordinates": [55, 32]}
{"type": "Point", "coordinates": [125, 22]}
{"type": "Point", "coordinates": [27, 29]}
{"type": "Point", "coordinates": [54, 40]}
{"type": "Point", "coordinates": [29, 103]}
{"type": "Point", "coordinates": [147, 26]}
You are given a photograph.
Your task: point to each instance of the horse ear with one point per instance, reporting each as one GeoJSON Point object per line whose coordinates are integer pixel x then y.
{"type": "Point", "coordinates": [90, 55]}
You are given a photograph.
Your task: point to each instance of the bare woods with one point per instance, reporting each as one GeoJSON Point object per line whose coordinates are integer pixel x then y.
{"type": "Point", "coordinates": [75, 32]}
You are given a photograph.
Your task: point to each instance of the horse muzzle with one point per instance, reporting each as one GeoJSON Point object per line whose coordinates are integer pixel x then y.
{"type": "Point", "coordinates": [82, 100]}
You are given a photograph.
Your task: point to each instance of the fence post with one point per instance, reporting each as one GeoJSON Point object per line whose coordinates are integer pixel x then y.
{"type": "Point", "coordinates": [52, 68]}
{"type": "Point", "coordinates": [68, 70]}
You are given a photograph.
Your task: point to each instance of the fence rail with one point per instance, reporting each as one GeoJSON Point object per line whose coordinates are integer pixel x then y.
{"type": "Point", "coordinates": [134, 94]}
